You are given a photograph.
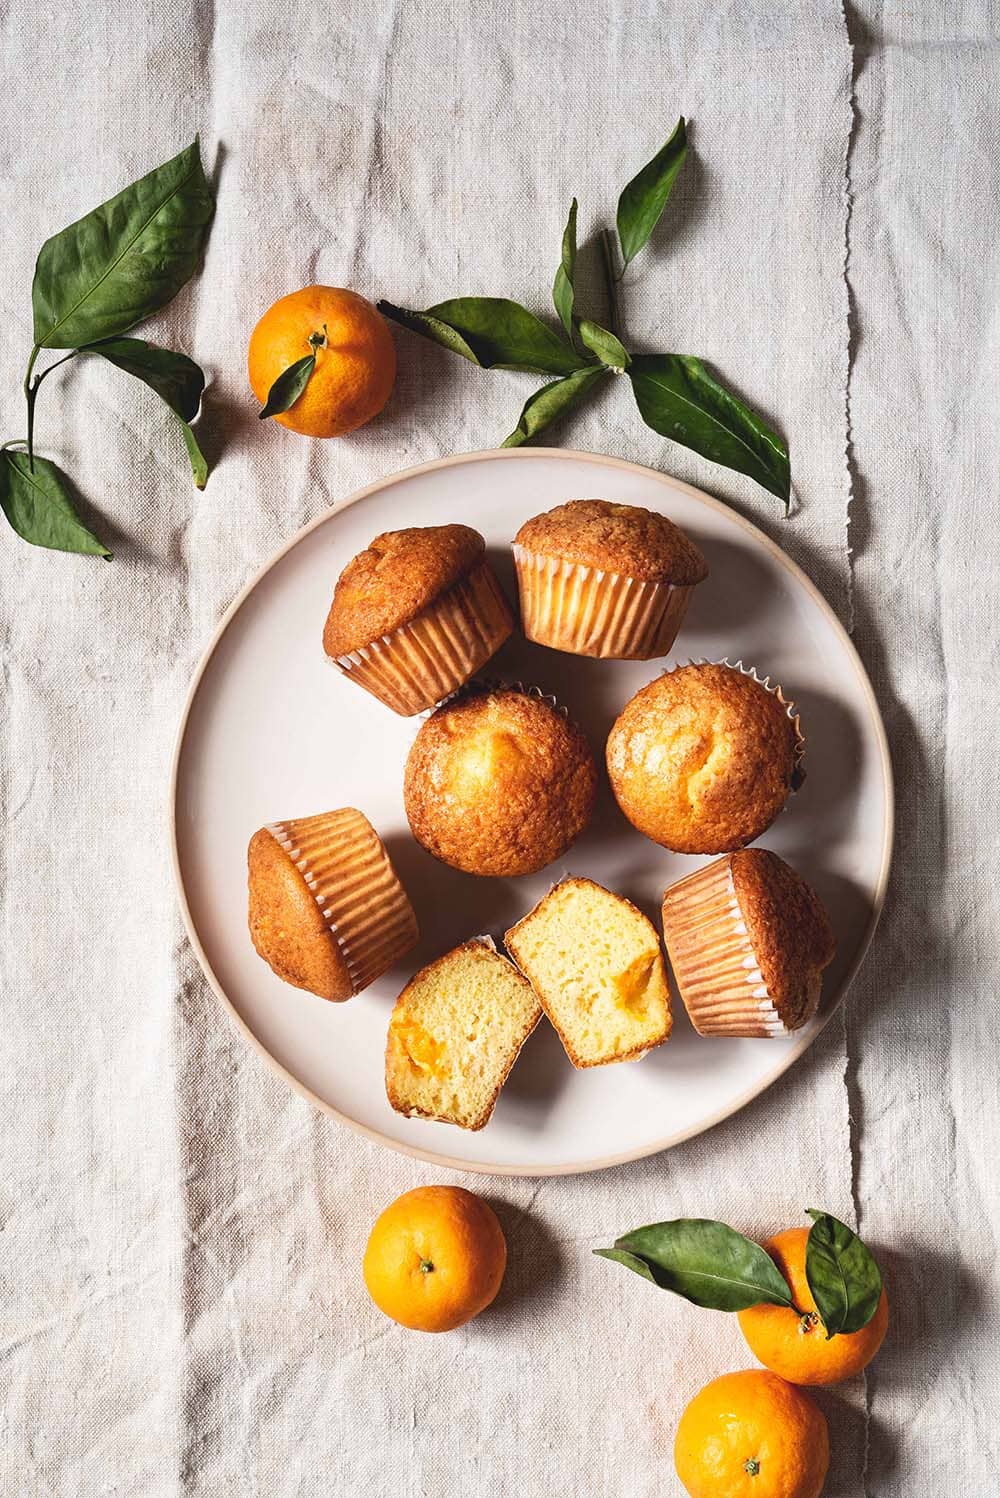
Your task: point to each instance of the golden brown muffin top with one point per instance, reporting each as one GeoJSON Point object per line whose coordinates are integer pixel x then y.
{"type": "Point", "coordinates": [287, 926]}
{"type": "Point", "coordinates": [394, 579]}
{"type": "Point", "coordinates": [701, 759]}
{"type": "Point", "coordinates": [499, 783]}
{"type": "Point", "coordinates": [616, 538]}
{"type": "Point", "coordinates": [789, 930]}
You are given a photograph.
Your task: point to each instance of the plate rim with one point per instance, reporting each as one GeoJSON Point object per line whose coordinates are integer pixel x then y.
{"type": "Point", "coordinates": [795, 1049]}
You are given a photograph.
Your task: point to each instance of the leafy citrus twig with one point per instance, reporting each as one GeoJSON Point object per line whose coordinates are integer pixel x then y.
{"type": "Point", "coordinates": [93, 281]}
{"type": "Point", "coordinates": [676, 394]}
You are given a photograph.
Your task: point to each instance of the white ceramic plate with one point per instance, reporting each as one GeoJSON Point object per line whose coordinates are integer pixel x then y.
{"type": "Point", "coordinates": [271, 731]}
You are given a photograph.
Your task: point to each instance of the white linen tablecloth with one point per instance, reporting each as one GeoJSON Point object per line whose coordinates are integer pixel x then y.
{"type": "Point", "coordinates": [181, 1307]}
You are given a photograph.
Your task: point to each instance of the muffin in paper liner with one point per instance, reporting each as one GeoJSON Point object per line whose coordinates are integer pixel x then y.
{"type": "Point", "coordinates": [494, 787]}
{"type": "Point", "coordinates": [422, 661]}
{"type": "Point", "coordinates": [360, 897]}
{"type": "Point", "coordinates": [703, 757]}
{"type": "Point", "coordinates": [483, 686]}
{"type": "Point", "coordinates": [586, 611]}
{"type": "Point", "coordinates": [748, 941]}
{"type": "Point", "coordinates": [799, 752]}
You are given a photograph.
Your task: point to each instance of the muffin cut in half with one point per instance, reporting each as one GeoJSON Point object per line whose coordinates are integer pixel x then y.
{"type": "Point", "coordinates": [415, 614]}
{"type": "Point", "coordinates": [748, 941]}
{"type": "Point", "coordinates": [455, 1033]}
{"type": "Point", "coordinates": [327, 911]}
{"type": "Point", "coordinates": [604, 579]}
{"type": "Point", "coordinates": [595, 962]}
{"type": "Point", "coordinates": [499, 783]}
{"type": "Point", "coordinates": [702, 759]}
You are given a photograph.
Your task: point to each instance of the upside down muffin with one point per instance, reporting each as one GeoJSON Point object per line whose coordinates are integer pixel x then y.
{"type": "Point", "coordinates": [415, 614]}
{"type": "Point", "coordinates": [327, 911]}
{"type": "Point", "coordinates": [748, 940]}
{"type": "Point", "coordinates": [499, 783]}
{"type": "Point", "coordinates": [604, 579]}
{"type": "Point", "coordinates": [703, 758]}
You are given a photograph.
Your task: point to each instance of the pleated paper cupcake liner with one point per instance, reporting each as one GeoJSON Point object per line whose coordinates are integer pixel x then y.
{"type": "Point", "coordinates": [483, 686]}
{"type": "Point", "coordinates": [346, 866]}
{"type": "Point", "coordinates": [421, 662]}
{"type": "Point", "coordinates": [587, 611]}
{"type": "Point", "coordinates": [718, 976]}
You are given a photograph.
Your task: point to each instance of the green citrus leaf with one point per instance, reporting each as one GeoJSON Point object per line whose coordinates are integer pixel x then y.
{"type": "Point", "coordinates": [504, 333]}
{"type": "Point", "coordinates": [845, 1280]}
{"type": "Point", "coordinates": [562, 289]}
{"type": "Point", "coordinates": [124, 260]}
{"type": "Point", "coordinates": [176, 379]}
{"type": "Point", "coordinates": [551, 402]}
{"type": "Point", "coordinates": [631, 1261]}
{"type": "Point", "coordinates": [609, 349]}
{"type": "Point", "coordinates": [678, 398]}
{"type": "Point", "coordinates": [642, 202]}
{"type": "Point", "coordinates": [492, 332]}
{"type": "Point", "coordinates": [288, 387]}
{"type": "Point", "coordinates": [705, 1262]}
{"type": "Point", "coordinates": [199, 463]}
{"type": "Point", "coordinates": [429, 327]}
{"type": "Point", "coordinates": [36, 501]}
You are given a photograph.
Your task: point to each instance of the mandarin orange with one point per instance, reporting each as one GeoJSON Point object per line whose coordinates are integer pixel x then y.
{"type": "Point", "coordinates": [435, 1258]}
{"type": "Point", "coordinates": [752, 1435]}
{"type": "Point", "coordinates": [355, 358]}
{"type": "Point", "coordinates": [793, 1343]}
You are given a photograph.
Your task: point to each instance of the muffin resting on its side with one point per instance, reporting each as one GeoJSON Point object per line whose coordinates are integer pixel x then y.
{"type": "Point", "coordinates": [416, 614]}
{"type": "Point", "coordinates": [327, 911]}
{"type": "Point", "coordinates": [595, 962]}
{"type": "Point", "coordinates": [703, 758]}
{"type": "Point", "coordinates": [604, 579]}
{"type": "Point", "coordinates": [748, 941]}
{"type": "Point", "coordinates": [455, 1033]}
{"type": "Point", "coordinates": [499, 783]}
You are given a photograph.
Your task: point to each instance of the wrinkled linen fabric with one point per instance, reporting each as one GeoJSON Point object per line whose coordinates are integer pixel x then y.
{"type": "Point", "coordinates": [181, 1310]}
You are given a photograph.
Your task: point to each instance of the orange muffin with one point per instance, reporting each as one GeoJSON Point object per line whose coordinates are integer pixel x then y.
{"type": "Point", "coordinates": [327, 911]}
{"type": "Point", "coordinates": [416, 614]}
{"type": "Point", "coordinates": [595, 963]}
{"type": "Point", "coordinates": [604, 579]}
{"type": "Point", "coordinates": [456, 1031]}
{"type": "Point", "coordinates": [748, 941]}
{"type": "Point", "coordinates": [499, 783]}
{"type": "Point", "coordinates": [703, 758]}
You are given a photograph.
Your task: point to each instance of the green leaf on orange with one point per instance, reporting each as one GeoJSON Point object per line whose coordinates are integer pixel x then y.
{"type": "Point", "coordinates": [705, 1262]}
{"type": "Point", "coordinates": [288, 387]}
{"type": "Point", "coordinates": [844, 1279]}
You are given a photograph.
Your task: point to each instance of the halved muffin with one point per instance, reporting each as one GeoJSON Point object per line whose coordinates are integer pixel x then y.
{"type": "Point", "coordinates": [499, 782]}
{"type": "Point", "coordinates": [327, 911]}
{"type": "Point", "coordinates": [455, 1033]}
{"type": "Point", "coordinates": [748, 940]}
{"type": "Point", "coordinates": [416, 614]}
{"type": "Point", "coordinates": [595, 963]}
{"type": "Point", "coordinates": [603, 579]}
{"type": "Point", "coordinates": [702, 759]}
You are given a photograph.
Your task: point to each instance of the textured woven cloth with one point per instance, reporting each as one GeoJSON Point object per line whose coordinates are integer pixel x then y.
{"type": "Point", "coordinates": [181, 1309]}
